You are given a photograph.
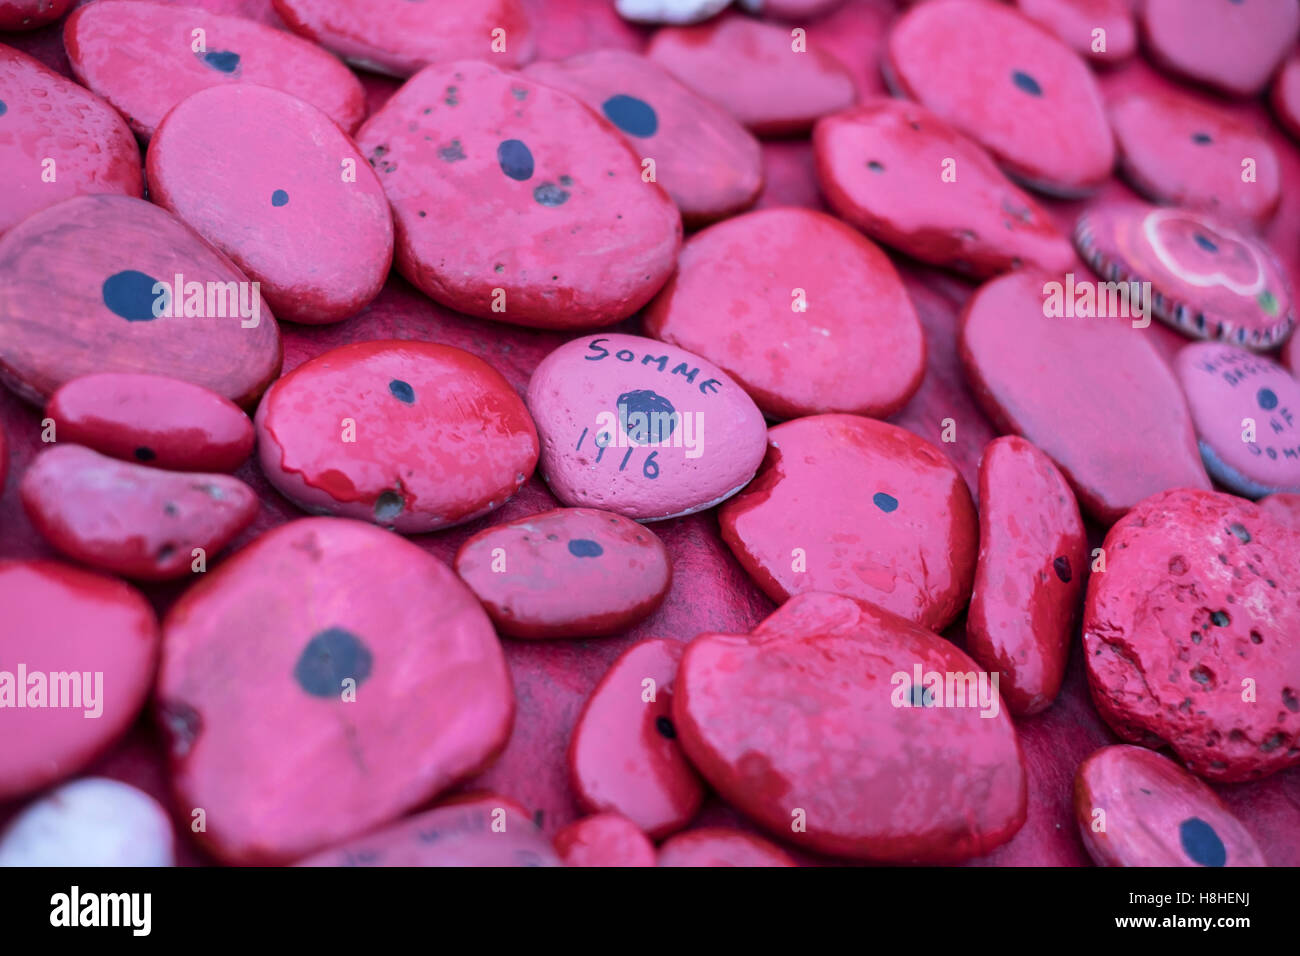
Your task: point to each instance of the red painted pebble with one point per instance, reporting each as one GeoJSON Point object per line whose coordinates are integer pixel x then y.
{"type": "Point", "coordinates": [30, 14]}
{"type": "Point", "coordinates": [771, 82]}
{"type": "Point", "coordinates": [264, 204]}
{"type": "Point", "coordinates": [1286, 96]}
{"type": "Point", "coordinates": [641, 428]}
{"type": "Point", "coordinates": [1284, 507]}
{"type": "Point", "coordinates": [513, 201]}
{"type": "Point", "coordinates": [567, 573]}
{"type": "Point", "coordinates": [605, 839]}
{"type": "Point", "coordinates": [1076, 22]}
{"type": "Point", "coordinates": [1029, 577]}
{"type": "Point", "coordinates": [323, 681]}
{"type": "Point", "coordinates": [1192, 635]}
{"type": "Point", "coordinates": [57, 141]}
{"type": "Point", "coordinates": [141, 58]}
{"type": "Point", "coordinates": [718, 846]}
{"type": "Point", "coordinates": [78, 652]}
{"type": "Point", "coordinates": [1009, 85]}
{"type": "Point", "coordinates": [826, 725]}
{"type": "Point", "coordinates": [710, 165]}
{"type": "Point", "coordinates": [857, 507]}
{"type": "Point", "coordinates": [90, 822]}
{"type": "Point", "coordinates": [152, 419]}
{"type": "Point", "coordinates": [90, 286]}
{"type": "Point", "coordinates": [1092, 393]}
{"type": "Point", "coordinates": [881, 166]}
{"type": "Point", "coordinates": [1137, 808]}
{"type": "Point", "coordinates": [624, 756]}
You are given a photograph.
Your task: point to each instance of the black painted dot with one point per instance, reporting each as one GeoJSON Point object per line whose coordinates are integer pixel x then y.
{"type": "Point", "coordinates": [1220, 619]}
{"type": "Point", "coordinates": [660, 419]}
{"type": "Point", "coordinates": [585, 548]}
{"type": "Point", "coordinates": [1026, 83]}
{"type": "Point", "coordinates": [222, 60]}
{"type": "Point", "coordinates": [402, 391]}
{"type": "Point", "coordinates": [3, 108]}
{"type": "Point", "coordinates": [1062, 568]}
{"type": "Point", "coordinates": [1240, 531]}
{"type": "Point", "coordinates": [279, 198]}
{"type": "Point", "coordinates": [1205, 243]}
{"type": "Point", "coordinates": [515, 159]}
{"type": "Point", "coordinates": [666, 728]}
{"type": "Point", "coordinates": [130, 294]}
{"type": "Point", "coordinates": [549, 194]}
{"type": "Point", "coordinates": [884, 502]}
{"type": "Point", "coordinates": [1267, 399]}
{"type": "Point", "coordinates": [329, 658]}
{"type": "Point", "coordinates": [1202, 138]}
{"type": "Point", "coordinates": [144, 454]}
{"type": "Point", "coordinates": [633, 116]}
{"type": "Point", "coordinates": [1201, 844]}
{"type": "Point", "coordinates": [876, 167]}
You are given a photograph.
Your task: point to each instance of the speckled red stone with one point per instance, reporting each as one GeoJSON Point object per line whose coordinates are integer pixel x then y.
{"type": "Point", "coordinates": [718, 846]}
{"type": "Point", "coordinates": [1075, 23]}
{"type": "Point", "coordinates": [1286, 96]}
{"type": "Point", "coordinates": [605, 839]}
{"type": "Point", "coordinates": [30, 14]}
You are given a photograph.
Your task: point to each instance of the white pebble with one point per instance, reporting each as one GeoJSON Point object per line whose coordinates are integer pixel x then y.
{"type": "Point", "coordinates": [669, 11]}
{"type": "Point", "coordinates": [90, 822]}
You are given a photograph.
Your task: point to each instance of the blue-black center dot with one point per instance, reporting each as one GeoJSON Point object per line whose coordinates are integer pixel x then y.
{"type": "Point", "coordinates": [1062, 568]}
{"type": "Point", "coordinates": [515, 159]}
{"type": "Point", "coordinates": [1205, 243]}
{"type": "Point", "coordinates": [130, 294]}
{"type": "Point", "coordinates": [665, 727]}
{"type": "Point", "coordinates": [646, 416]}
{"type": "Point", "coordinates": [3, 108]}
{"type": "Point", "coordinates": [330, 657]}
{"type": "Point", "coordinates": [144, 453]}
{"type": "Point", "coordinates": [585, 548]}
{"type": "Point", "coordinates": [1267, 399]}
{"type": "Point", "coordinates": [222, 60]}
{"type": "Point", "coordinates": [1201, 844]}
{"type": "Point", "coordinates": [1026, 83]}
{"type": "Point", "coordinates": [876, 166]}
{"type": "Point", "coordinates": [1202, 138]}
{"type": "Point", "coordinates": [402, 391]}
{"type": "Point", "coordinates": [279, 198]}
{"type": "Point", "coordinates": [884, 502]}
{"type": "Point", "coordinates": [633, 116]}
{"type": "Point", "coordinates": [919, 696]}
{"type": "Point", "coordinates": [549, 194]}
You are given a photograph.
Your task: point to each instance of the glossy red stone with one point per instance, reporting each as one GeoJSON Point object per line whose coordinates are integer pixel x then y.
{"type": "Point", "coordinates": [30, 14]}
{"type": "Point", "coordinates": [1286, 96]}
{"type": "Point", "coordinates": [1284, 507]}
{"type": "Point", "coordinates": [1075, 23]}
{"type": "Point", "coordinates": [605, 839]}
{"type": "Point", "coordinates": [719, 846]}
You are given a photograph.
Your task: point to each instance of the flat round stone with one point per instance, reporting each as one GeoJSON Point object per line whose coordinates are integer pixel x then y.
{"type": "Point", "coordinates": [1009, 85]}
{"type": "Point", "coordinates": [1093, 393]}
{"type": "Point", "coordinates": [669, 11]}
{"type": "Point", "coordinates": [1286, 96]}
{"type": "Point", "coordinates": [90, 286]}
{"type": "Point", "coordinates": [793, 304]}
{"type": "Point", "coordinates": [264, 204]}
{"type": "Point", "coordinates": [141, 57]}
{"type": "Point", "coordinates": [323, 681]}
{"type": "Point", "coordinates": [622, 423]}
{"type": "Point", "coordinates": [880, 166]}
{"type": "Point", "coordinates": [856, 506]}
{"type": "Point", "coordinates": [57, 140]}
{"type": "Point", "coordinates": [1029, 577]}
{"type": "Point", "coordinates": [719, 846]}
{"type": "Point", "coordinates": [1076, 22]}
{"type": "Point", "coordinates": [90, 822]}
{"type": "Point", "coordinates": [513, 201]}
{"type": "Point", "coordinates": [605, 839]}
{"type": "Point", "coordinates": [710, 165]}
{"type": "Point", "coordinates": [79, 651]}
{"type": "Point", "coordinates": [1192, 635]}
{"type": "Point", "coordinates": [833, 712]}
{"type": "Point", "coordinates": [30, 14]}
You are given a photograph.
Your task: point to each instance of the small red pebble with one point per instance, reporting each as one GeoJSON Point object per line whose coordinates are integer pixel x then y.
{"type": "Point", "coordinates": [1284, 507]}
{"type": "Point", "coordinates": [718, 846]}
{"type": "Point", "coordinates": [1103, 32]}
{"type": "Point", "coordinates": [30, 14]}
{"type": "Point", "coordinates": [605, 839]}
{"type": "Point", "coordinates": [1286, 96]}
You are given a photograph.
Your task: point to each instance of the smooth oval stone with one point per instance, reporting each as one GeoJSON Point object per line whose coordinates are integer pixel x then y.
{"type": "Point", "coordinates": [1092, 393]}
{"type": "Point", "coordinates": [1207, 280]}
{"type": "Point", "coordinates": [414, 436]}
{"type": "Point", "coordinates": [90, 822]}
{"type": "Point", "coordinates": [669, 11]}
{"type": "Point", "coordinates": [570, 238]}
{"type": "Point", "coordinates": [880, 165]}
{"type": "Point", "coordinates": [1284, 507]}
{"type": "Point", "coordinates": [152, 419]}
{"type": "Point", "coordinates": [1286, 96]}
{"type": "Point", "coordinates": [1074, 23]}
{"type": "Point", "coordinates": [101, 636]}
{"type": "Point", "coordinates": [1029, 577]}
{"type": "Point", "coordinates": [719, 846]}
{"type": "Point", "coordinates": [605, 839]}
{"type": "Point", "coordinates": [858, 507]}
{"type": "Point", "coordinates": [751, 70]}
{"type": "Point", "coordinates": [45, 118]}
{"type": "Point", "coordinates": [809, 720]}
{"type": "Point", "coordinates": [567, 573]}
{"type": "Point", "coordinates": [710, 165]}
{"type": "Point", "coordinates": [794, 304]}
{"type": "Point", "coordinates": [623, 420]}
{"type": "Point", "coordinates": [360, 678]}
{"type": "Point", "coordinates": [1009, 85]}
{"type": "Point", "coordinates": [79, 285]}
{"type": "Point", "coordinates": [1137, 808]}
{"type": "Point", "coordinates": [1199, 597]}
{"type": "Point", "coordinates": [141, 58]}
{"type": "Point", "coordinates": [30, 14]}
{"type": "Point", "coordinates": [624, 756]}
{"type": "Point", "coordinates": [265, 203]}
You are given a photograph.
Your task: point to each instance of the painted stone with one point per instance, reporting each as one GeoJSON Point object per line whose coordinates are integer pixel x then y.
{"type": "Point", "coordinates": [141, 57]}
{"type": "Point", "coordinates": [710, 165]}
{"type": "Point", "coordinates": [360, 679]}
{"type": "Point", "coordinates": [89, 286]}
{"type": "Point", "coordinates": [1075, 23]}
{"type": "Point", "coordinates": [90, 822]}
{"type": "Point", "coordinates": [719, 846]}
{"type": "Point", "coordinates": [30, 14]}
{"type": "Point", "coordinates": [1094, 394]}
{"type": "Point", "coordinates": [410, 435]}
{"type": "Point", "coordinates": [881, 168]}
{"type": "Point", "coordinates": [1284, 507]}
{"type": "Point", "coordinates": [1192, 636]}
{"type": "Point", "coordinates": [818, 723]}
{"type": "Point", "coordinates": [263, 206]}
{"type": "Point", "coordinates": [794, 304]}
{"type": "Point", "coordinates": [605, 839]}
{"type": "Point", "coordinates": [624, 756]}
{"type": "Point", "coordinates": [59, 619]}
{"type": "Point", "coordinates": [1009, 85]}
{"type": "Point", "coordinates": [622, 423]}
{"type": "Point", "coordinates": [1286, 96]}
{"type": "Point", "coordinates": [855, 506]}
{"type": "Point", "coordinates": [513, 201]}
{"type": "Point", "coordinates": [155, 420]}
{"type": "Point", "coordinates": [669, 11]}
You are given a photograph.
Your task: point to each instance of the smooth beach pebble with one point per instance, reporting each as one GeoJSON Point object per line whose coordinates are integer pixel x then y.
{"type": "Point", "coordinates": [605, 839]}
{"type": "Point", "coordinates": [411, 435]}
{"type": "Point", "coordinates": [1092, 393]}
{"type": "Point", "coordinates": [641, 428]}
{"type": "Point", "coordinates": [141, 58]}
{"type": "Point", "coordinates": [669, 11]}
{"type": "Point", "coordinates": [61, 620]}
{"type": "Point", "coordinates": [1076, 22]}
{"type": "Point", "coordinates": [1284, 507]}
{"type": "Point", "coordinates": [1137, 808]}
{"type": "Point", "coordinates": [30, 14]}
{"type": "Point", "coordinates": [89, 286]}
{"type": "Point", "coordinates": [513, 201]}
{"type": "Point", "coordinates": [325, 680]}
{"type": "Point", "coordinates": [90, 822]}
{"type": "Point", "coordinates": [571, 572]}
{"type": "Point", "coordinates": [719, 846]}
{"type": "Point", "coordinates": [880, 167]}
{"type": "Point", "coordinates": [817, 718]}
{"type": "Point", "coordinates": [1192, 636]}
{"type": "Point", "coordinates": [624, 756]}
{"type": "Point", "coordinates": [1029, 576]}
{"type": "Point", "coordinates": [1009, 85]}
{"type": "Point", "coordinates": [710, 165]}
{"type": "Point", "coordinates": [264, 203]}
{"type": "Point", "coordinates": [858, 507]}
{"type": "Point", "coordinates": [1286, 96]}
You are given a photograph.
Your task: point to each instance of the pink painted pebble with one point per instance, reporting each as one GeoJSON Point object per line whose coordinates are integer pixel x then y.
{"type": "Point", "coordinates": [605, 839]}
{"type": "Point", "coordinates": [1286, 96]}
{"type": "Point", "coordinates": [1076, 22]}
{"type": "Point", "coordinates": [30, 14]}
{"type": "Point", "coordinates": [718, 846]}
{"type": "Point", "coordinates": [89, 823]}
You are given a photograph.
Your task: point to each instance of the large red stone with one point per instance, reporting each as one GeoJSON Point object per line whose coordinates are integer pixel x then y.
{"type": "Point", "coordinates": [719, 846]}
{"type": "Point", "coordinates": [605, 839]}
{"type": "Point", "coordinates": [1075, 23]}
{"type": "Point", "coordinates": [30, 14]}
